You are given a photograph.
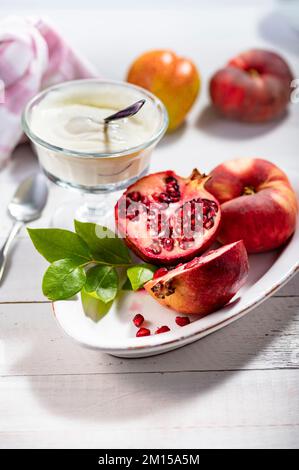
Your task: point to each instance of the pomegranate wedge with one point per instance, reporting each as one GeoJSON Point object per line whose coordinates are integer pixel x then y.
{"type": "Point", "coordinates": [204, 284]}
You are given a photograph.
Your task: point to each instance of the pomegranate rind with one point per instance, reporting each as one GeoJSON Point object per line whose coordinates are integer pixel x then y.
{"type": "Point", "coordinates": [191, 188]}
{"type": "Point", "coordinates": [265, 216]}
{"type": "Point", "coordinates": [205, 284]}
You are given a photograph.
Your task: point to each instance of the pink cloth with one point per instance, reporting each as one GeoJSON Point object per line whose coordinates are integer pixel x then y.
{"type": "Point", "coordinates": [32, 57]}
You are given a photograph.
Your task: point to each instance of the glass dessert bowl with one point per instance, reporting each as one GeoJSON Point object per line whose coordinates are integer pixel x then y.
{"type": "Point", "coordinates": [77, 150]}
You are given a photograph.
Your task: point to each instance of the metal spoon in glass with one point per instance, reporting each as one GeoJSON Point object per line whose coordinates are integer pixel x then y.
{"type": "Point", "coordinates": [75, 124]}
{"type": "Point", "coordinates": [26, 205]}
{"type": "Point", "coordinates": [126, 112]}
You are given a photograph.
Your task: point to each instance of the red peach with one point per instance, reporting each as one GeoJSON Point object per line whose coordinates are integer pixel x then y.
{"type": "Point", "coordinates": [258, 204]}
{"type": "Point", "coordinates": [253, 87]}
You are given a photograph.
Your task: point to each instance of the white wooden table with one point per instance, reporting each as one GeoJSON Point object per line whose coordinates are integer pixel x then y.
{"type": "Point", "coordinates": [236, 388]}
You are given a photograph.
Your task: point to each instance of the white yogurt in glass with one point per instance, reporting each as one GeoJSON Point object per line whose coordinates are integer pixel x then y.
{"type": "Point", "coordinates": [66, 125]}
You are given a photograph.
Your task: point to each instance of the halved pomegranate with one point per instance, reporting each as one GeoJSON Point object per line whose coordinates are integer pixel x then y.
{"type": "Point", "coordinates": [166, 219]}
{"type": "Point", "coordinates": [204, 284]}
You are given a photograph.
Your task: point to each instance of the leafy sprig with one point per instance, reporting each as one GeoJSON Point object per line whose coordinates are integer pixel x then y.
{"type": "Point", "coordinates": [87, 260]}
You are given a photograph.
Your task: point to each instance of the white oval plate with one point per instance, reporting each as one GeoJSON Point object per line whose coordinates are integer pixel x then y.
{"type": "Point", "coordinates": [115, 332]}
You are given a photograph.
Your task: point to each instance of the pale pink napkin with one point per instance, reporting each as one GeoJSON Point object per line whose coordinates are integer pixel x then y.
{"type": "Point", "coordinates": [32, 56]}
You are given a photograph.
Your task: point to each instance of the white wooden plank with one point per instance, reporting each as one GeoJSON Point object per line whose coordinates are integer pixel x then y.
{"type": "Point", "coordinates": [23, 275]}
{"type": "Point", "coordinates": [221, 436]}
{"type": "Point", "coordinates": [22, 281]}
{"type": "Point", "coordinates": [267, 338]}
{"type": "Point", "coordinates": [200, 409]}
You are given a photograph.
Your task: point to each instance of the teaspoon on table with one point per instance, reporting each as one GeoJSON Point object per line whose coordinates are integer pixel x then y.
{"type": "Point", "coordinates": [26, 205]}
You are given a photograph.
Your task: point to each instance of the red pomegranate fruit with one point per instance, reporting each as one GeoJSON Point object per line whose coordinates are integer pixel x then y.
{"type": "Point", "coordinates": [204, 284]}
{"type": "Point", "coordinates": [258, 204]}
{"type": "Point", "coordinates": [253, 87]}
{"type": "Point", "coordinates": [166, 219]}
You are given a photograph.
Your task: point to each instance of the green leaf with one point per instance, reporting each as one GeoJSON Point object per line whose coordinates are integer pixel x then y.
{"type": "Point", "coordinates": [55, 243]}
{"type": "Point", "coordinates": [63, 279]}
{"type": "Point", "coordinates": [102, 282]}
{"type": "Point", "coordinates": [127, 285]}
{"type": "Point", "coordinates": [104, 244]}
{"type": "Point", "coordinates": [140, 274]}
{"type": "Point", "coordinates": [93, 307]}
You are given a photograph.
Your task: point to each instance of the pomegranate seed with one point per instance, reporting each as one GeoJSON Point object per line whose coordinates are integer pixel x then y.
{"type": "Point", "coordinates": [138, 320]}
{"type": "Point", "coordinates": [175, 197]}
{"type": "Point", "coordinates": [168, 244]}
{"type": "Point", "coordinates": [172, 188]}
{"type": "Point", "coordinates": [135, 196]}
{"type": "Point", "coordinates": [162, 329]}
{"type": "Point", "coordinates": [174, 194]}
{"type": "Point", "coordinates": [209, 224]}
{"type": "Point", "coordinates": [164, 197]}
{"type": "Point", "coordinates": [160, 272]}
{"type": "Point", "coordinates": [215, 206]}
{"type": "Point", "coordinates": [145, 200]}
{"type": "Point", "coordinates": [163, 289]}
{"type": "Point", "coordinates": [170, 179]}
{"type": "Point", "coordinates": [182, 321]}
{"type": "Point", "coordinates": [143, 332]}
{"type": "Point", "coordinates": [156, 197]}
{"type": "Point", "coordinates": [133, 216]}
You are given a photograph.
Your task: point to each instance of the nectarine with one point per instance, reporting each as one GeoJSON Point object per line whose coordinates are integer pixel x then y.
{"type": "Point", "coordinates": [253, 87]}
{"type": "Point", "coordinates": [258, 204]}
{"type": "Point", "coordinates": [175, 80]}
